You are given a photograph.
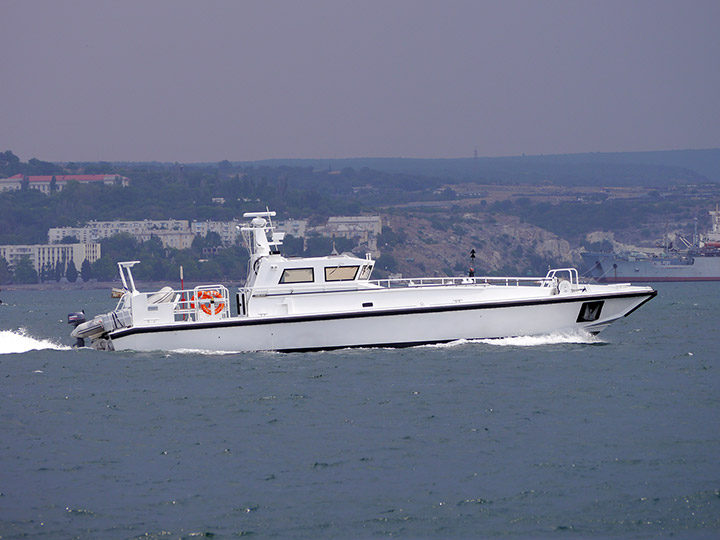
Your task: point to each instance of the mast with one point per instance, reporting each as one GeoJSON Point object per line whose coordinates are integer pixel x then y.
{"type": "Point", "coordinates": [260, 239]}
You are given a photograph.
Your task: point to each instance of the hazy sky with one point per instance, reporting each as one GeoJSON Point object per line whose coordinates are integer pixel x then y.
{"type": "Point", "coordinates": [196, 81]}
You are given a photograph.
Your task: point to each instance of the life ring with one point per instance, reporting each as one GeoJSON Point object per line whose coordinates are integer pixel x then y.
{"type": "Point", "coordinates": [208, 307]}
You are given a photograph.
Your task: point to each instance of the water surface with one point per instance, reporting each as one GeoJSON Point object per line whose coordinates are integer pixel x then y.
{"type": "Point", "coordinates": [557, 436]}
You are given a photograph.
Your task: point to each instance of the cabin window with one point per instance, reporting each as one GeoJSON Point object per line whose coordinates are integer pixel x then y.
{"type": "Point", "coordinates": [365, 272]}
{"type": "Point", "coordinates": [297, 275]}
{"type": "Point", "coordinates": [341, 273]}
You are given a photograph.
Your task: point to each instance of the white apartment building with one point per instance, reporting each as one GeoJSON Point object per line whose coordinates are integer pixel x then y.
{"type": "Point", "coordinates": [169, 238]}
{"type": "Point", "coordinates": [172, 232]}
{"type": "Point", "coordinates": [229, 231]}
{"type": "Point", "coordinates": [293, 227]}
{"type": "Point", "coordinates": [179, 233]}
{"type": "Point", "coordinates": [49, 254]}
{"type": "Point", "coordinates": [363, 229]}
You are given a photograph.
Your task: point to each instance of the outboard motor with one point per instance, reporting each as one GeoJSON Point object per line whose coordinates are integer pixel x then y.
{"type": "Point", "coordinates": [77, 319]}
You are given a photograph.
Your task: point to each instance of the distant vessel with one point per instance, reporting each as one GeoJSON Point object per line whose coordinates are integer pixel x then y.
{"type": "Point", "coordinates": [699, 261]}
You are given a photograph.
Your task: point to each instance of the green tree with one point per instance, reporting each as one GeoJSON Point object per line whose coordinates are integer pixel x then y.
{"type": "Point", "coordinates": [213, 239]}
{"type": "Point", "coordinates": [35, 166]}
{"type": "Point", "coordinates": [9, 164]}
{"type": "Point", "coordinates": [104, 269]}
{"type": "Point", "coordinates": [71, 273]}
{"type": "Point", "coordinates": [86, 270]}
{"type": "Point", "coordinates": [24, 271]}
{"type": "Point", "coordinates": [391, 238]}
{"type": "Point", "coordinates": [46, 272]}
{"type": "Point", "coordinates": [53, 184]}
{"type": "Point", "coordinates": [5, 273]}
{"type": "Point", "coordinates": [59, 270]}
{"type": "Point", "coordinates": [317, 246]}
{"type": "Point", "coordinates": [386, 264]}
{"type": "Point", "coordinates": [121, 247]}
{"type": "Point", "coordinates": [292, 246]}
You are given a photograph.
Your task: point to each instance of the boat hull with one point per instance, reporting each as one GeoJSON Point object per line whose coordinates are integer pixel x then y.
{"type": "Point", "coordinates": [388, 328]}
{"type": "Point", "coordinates": [608, 268]}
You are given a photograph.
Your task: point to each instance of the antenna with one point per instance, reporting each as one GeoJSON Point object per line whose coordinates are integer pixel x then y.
{"type": "Point", "coordinates": [269, 214]}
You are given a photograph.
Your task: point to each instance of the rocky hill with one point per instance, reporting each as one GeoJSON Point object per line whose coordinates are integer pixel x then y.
{"type": "Point", "coordinates": [438, 244]}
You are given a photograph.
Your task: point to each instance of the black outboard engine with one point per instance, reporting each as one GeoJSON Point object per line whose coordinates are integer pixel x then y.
{"type": "Point", "coordinates": [77, 319]}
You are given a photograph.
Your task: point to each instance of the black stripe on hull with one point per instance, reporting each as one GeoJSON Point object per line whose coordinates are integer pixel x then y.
{"type": "Point", "coordinates": [393, 345]}
{"type": "Point", "coordinates": [654, 293]}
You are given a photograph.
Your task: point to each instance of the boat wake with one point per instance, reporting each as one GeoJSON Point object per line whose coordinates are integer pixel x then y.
{"type": "Point", "coordinates": [19, 342]}
{"type": "Point", "coordinates": [555, 338]}
{"type": "Point", "coordinates": [202, 352]}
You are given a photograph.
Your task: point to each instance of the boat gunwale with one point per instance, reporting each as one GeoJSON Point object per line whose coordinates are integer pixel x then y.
{"type": "Point", "coordinates": [356, 314]}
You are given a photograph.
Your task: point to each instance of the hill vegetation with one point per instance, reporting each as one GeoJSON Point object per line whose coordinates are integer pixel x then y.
{"type": "Point", "coordinates": [427, 205]}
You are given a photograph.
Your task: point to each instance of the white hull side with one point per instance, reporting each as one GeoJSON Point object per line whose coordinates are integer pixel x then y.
{"type": "Point", "coordinates": [395, 328]}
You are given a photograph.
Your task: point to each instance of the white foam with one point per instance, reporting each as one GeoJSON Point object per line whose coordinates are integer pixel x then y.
{"type": "Point", "coordinates": [554, 338]}
{"type": "Point", "coordinates": [20, 342]}
{"type": "Point", "coordinates": [202, 352]}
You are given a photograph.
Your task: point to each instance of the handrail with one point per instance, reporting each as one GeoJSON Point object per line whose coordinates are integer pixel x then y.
{"type": "Point", "coordinates": [557, 273]}
{"type": "Point", "coordinates": [320, 287]}
{"type": "Point", "coordinates": [455, 281]}
{"type": "Point", "coordinates": [394, 283]}
{"type": "Point", "coordinates": [187, 304]}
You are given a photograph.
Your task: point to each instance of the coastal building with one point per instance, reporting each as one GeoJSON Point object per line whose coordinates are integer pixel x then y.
{"type": "Point", "coordinates": [179, 233]}
{"type": "Point", "coordinates": [45, 183]}
{"type": "Point", "coordinates": [170, 238]}
{"type": "Point", "coordinates": [229, 231]}
{"type": "Point", "coordinates": [48, 255]}
{"type": "Point", "coordinates": [292, 227]}
{"type": "Point", "coordinates": [363, 229]}
{"type": "Point", "coordinates": [171, 232]}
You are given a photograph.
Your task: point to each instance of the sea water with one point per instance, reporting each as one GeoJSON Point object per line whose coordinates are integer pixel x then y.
{"type": "Point", "coordinates": [560, 436]}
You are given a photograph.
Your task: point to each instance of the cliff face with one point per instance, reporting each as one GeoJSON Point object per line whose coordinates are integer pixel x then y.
{"type": "Point", "coordinates": [439, 245]}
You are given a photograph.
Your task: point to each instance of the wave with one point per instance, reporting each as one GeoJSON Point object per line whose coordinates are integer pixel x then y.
{"type": "Point", "coordinates": [554, 338]}
{"type": "Point", "coordinates": [20, 342]}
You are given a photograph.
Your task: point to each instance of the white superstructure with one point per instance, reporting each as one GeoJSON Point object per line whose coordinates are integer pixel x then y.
{"type": "Point", "coordinates": [295, 304]}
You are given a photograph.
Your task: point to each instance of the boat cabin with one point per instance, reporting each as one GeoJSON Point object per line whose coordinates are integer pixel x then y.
{"type": "Point", "coordinates": [311, 273]}
{"type": "Point", "coordinates": [273, 277]}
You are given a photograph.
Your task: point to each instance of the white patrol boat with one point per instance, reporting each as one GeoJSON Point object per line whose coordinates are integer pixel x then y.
{"type": "Point", "coordinates": [312, 303]}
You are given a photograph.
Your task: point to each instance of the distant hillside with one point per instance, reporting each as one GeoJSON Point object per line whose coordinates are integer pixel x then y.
{"type": "Point", "coordinates": [611, 169]}
{"type": "Point", "coordinates": [520, 214]}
